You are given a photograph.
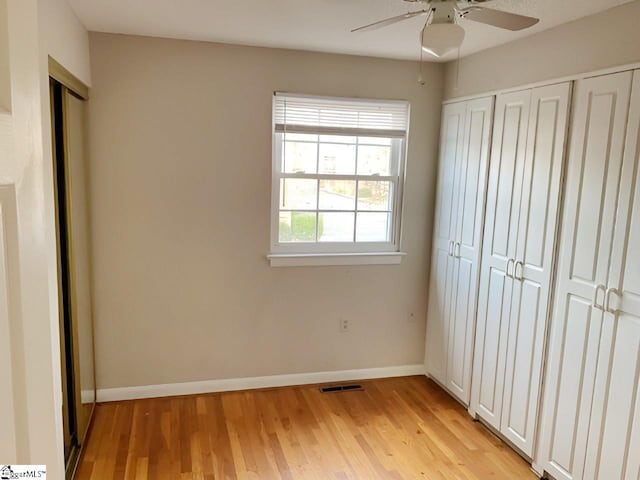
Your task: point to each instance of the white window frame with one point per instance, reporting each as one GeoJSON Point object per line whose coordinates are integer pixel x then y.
{"type": "Point", "coordinates": [340, 253]}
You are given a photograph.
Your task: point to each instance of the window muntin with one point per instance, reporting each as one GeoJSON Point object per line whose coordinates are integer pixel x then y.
{"type": "Point", "coordinates": [337, 189]}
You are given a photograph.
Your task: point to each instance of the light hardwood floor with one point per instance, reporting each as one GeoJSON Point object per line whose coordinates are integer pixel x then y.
{"type": "Point", "coordinates": [399, 428]}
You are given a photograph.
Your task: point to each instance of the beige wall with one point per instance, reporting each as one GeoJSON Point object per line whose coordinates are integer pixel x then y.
{"type": "Point", "coordinates": [604, 40]}
{"type": "Point", "coordinates": [181, 174]}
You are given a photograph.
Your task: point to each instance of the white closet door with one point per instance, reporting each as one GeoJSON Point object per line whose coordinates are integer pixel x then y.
{"type": "Point", "coordinates": [470, 211]}
{"type": "Point", "coordinates": [442, 260]}
{"type": "Point", "coordinates": [614, 434]}
{"type": "Point", "coordinates": [499, 245]}
{"type": "Point", "coordinates": [534, 263]}
{"type": "Point", "coordinates": [595, 158]}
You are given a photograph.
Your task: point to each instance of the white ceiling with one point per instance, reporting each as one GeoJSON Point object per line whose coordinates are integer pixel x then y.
{"type": "Point", "coordinates": [317, 25]}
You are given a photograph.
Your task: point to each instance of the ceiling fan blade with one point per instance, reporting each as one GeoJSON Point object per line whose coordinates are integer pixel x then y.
{"type": "Point", "coordinates": [500, 19]}
{"type": "Point", "coordinates": [390, 21]}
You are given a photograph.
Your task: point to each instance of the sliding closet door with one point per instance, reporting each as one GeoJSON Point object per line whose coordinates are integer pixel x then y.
{"type": "Point", "coordinates": [80, 259]}
{"type": "Point", "coordinates": [533, 267]}
{"type": "Point", "coordinates": [614, 434]}
{"type": "Point", "coordinates": [442, 261]}
{"type": "Point", "coordinates": [470, 211]}
{"type": "Point", "coordinates": [593, 175]}
{"type": "Point", "coordinates": [11, 434]}
{"type": "Point", "coordinates": [499, 246]}
{"type": "Point", "coordinates": [74, 270]}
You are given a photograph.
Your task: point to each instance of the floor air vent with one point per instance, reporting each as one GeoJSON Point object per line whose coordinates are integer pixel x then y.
{"type": "Point", "coordinates": [341, 388]}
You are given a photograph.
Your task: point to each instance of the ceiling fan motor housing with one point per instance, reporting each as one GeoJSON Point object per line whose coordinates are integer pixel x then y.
{"type": "Point", "coordinates": [442, 11]}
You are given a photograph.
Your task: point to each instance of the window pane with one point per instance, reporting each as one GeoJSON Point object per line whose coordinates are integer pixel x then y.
{"type": "Point", "coordinates": [374, 160]}
{"type": "Point", "coordinates": [335, 227]}
{"type": "Point", "coordinates": [337, 159]}
{"type": "Point", "coordinates": [374, 195]}
{"type": "Point", "coordinates": [298, 194]}
{"type": "Point", "coordinates": [300, 137]}
{"type": "Point", "coordinates": [297, 227]}
{"type": "Point", "coordinates": [337, 139]}
{"type": "Point", "coordinates": [374, 141]}
{"type": "Point", "coordinates": [337, 195]}
{"type": "Point", "coordinates": [372, 227]}
{"type": "Point", "coordinates": [300, 157]}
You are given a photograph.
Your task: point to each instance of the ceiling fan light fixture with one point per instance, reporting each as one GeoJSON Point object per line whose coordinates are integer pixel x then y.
{"type": "Point", "coordinates": [438, 39]}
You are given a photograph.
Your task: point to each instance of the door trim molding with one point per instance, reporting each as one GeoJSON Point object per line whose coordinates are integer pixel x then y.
{"type": "Point", "coordinates": [68, 79]}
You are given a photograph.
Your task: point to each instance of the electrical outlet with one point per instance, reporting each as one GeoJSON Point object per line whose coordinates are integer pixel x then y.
{"type": "Point", "coordinates": [344, 325]}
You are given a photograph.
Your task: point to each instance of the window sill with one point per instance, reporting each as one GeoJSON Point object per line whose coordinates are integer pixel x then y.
{"type": "Point", "coordinates": [328, 259]}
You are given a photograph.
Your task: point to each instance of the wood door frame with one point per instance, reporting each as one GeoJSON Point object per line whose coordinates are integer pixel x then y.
{"type": "Point", "coordinates": [68, 79]}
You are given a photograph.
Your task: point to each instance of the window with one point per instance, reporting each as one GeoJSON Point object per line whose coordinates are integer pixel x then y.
{"type": "Point", "coordinates": [338, 167]}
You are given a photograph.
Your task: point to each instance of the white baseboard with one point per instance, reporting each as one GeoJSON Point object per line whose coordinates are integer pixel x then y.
{"type": "Point", "coordinates": [249, 383]}
{"type": "Point", "coordinates": [87, 396]}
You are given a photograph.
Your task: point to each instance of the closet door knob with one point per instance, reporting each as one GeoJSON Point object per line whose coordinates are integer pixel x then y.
{"type": "Point", "coordinates": [515, 270]}
{"type": "Point", "coordinates": [456, 250]}
{"type": "Point", "coordinates": [451, 247]}
{"type": "Point", "coordinates": [607, 300]}
{"type": "Point", "coordinates": [506, 271]}
{"type": "Point", "coordinates": [595, 296]}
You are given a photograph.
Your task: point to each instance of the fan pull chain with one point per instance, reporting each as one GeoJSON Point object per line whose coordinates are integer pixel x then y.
{"type": "Point", "coordinates": [420, 77]}
{"type": "Point", "coordinates": [421, 80]}
{"type": "Point", "coordinates": [455, 87]}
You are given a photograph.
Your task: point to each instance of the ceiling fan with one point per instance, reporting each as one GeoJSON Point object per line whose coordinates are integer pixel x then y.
{"type": "Point", "coordinates": [442, 33]}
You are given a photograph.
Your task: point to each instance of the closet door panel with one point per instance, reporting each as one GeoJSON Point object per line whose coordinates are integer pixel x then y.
{"type": "Point", "coordinates": [535, 255]}
{"type": "Point", "coordinates": [451, 145]}
{"type": "Point", "coordinates": [442, 262]}
{"type": "Point", "coordinates": [491, 334]}
{"type": "Point", "coordinates": [509, 175]}
{"type": "Point", "coordinates": [499, 245]}
{"type": "Point", "coordinates": [632, 468]}
{"type": "Point", "coordinates": [594, 220]}
{"type": "Point", "coordinates": [459, 337]}
{"type": "Point", "coordinates": [593, 173]}
{"type": "Point", "coordinates": [442, 270]}
{"type": "Point", "coordinates": [615, 421]}
{"type": "Point", "coordinates": [580, 323]}
{"type": "Point", "coordinates": [474, 175]}
{"type": "Point", "coordinates": [471, 197]}
{"type": "Point", "coordinates": [616, 402]}
{"type": "Point", "coordinates": [545, 159]}
{"type": "Point", "coordinates": [522, 367]}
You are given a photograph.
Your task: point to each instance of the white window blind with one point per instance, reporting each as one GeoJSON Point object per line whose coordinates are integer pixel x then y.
{"type": "Point", "coordinates": [340, 116]}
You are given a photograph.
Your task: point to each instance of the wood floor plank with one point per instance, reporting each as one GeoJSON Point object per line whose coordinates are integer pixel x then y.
{"type": "Point", "coordinates": [396, 429]}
